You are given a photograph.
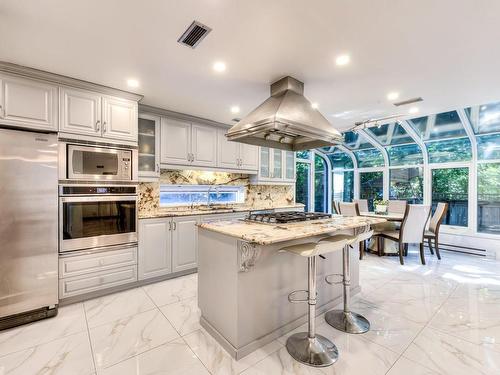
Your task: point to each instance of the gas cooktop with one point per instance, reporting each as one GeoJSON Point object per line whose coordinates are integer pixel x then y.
{"type": "Point", "coordinates": [286, 217]}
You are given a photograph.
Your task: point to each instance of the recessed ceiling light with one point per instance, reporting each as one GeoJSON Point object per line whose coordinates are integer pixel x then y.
{"type": "Point", "coordinates": [219, 66]}
{"type": "Point", "coordinates": [342, 60]}
{"type": "Point", "coordinates": [235, 109]}
{"type": "Point", "coordinates": [413, 110]}
{"type": "Point", "coordinates": [393, 95]}
{"type": "Point", "coordinates": [132, 82]}
{"type": "Point", "coordinates": [314, 105]}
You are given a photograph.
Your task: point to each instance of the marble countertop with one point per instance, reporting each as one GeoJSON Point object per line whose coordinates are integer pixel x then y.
{"type": "Point", "coordinates": [266, 234]}
{"type": "Point", "coordinates": [194, 212]}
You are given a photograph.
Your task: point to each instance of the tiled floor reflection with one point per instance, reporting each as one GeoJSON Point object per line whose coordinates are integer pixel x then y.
{"type": "Point", "coordinates": [442, 318]}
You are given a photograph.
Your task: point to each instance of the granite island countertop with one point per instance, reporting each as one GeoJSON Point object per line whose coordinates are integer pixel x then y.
{"type": "Point", "coordinates": [266, 234]}
{"type": "Point", "coordinates": [223, 210]}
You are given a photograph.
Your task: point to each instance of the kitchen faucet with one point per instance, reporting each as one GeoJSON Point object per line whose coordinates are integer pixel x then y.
{"type": "Point", "coordinates": [212, 187]}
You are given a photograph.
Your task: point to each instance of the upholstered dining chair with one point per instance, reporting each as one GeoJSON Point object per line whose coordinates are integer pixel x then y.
{"type": "Point", "coordinates": [335, 206]}
{"type": "Point", "coordinates": [396, 207]}
{"type": "Point", "coordinates": [412, 230]}
{"type": "Point", "coordinates": [433, 232]}
{"type": "Point", "coordinates": [352, 209]}
{"type": "Point", "coordinates": [362, 203]}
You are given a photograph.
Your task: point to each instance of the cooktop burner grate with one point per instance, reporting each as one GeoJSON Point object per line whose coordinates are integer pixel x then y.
{"type": "Point", "coordinates": [286, 217]}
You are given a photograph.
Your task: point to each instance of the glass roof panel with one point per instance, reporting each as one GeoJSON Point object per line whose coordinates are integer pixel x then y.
{"type": "Point", "coordinates": [484, 118]}
{"type": "Point", "coordinates": [390, 134]}
{"type": "Point", "coordinates": [369, 158]}
{"type": "Point", "coordinates": [488, 147]}
{"type": "Point", "coordinates": [340, 160]}
{"type": "Point", "coordinates": [405, 155]}
{"type": "Point", "coordinates": [356, 141]}
{"type": "Point", "coordinates": [449, 150]}
{"type": "Point", "coordinates": [441, 126]}
{"type": "Point", "coordinates": [303, 154]}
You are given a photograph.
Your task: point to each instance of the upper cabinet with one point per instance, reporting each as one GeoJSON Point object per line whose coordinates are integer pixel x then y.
{"type": "Point", "coordinates": [234, 155]}
{"type": "Point", "coordinates": [28, 103]}
{"type": "Point", "coordinates": [80, 111]}
{"type": "Point", "coordinates": [275, 167]}
{"type": "Point", "coordinates": [188, 144]}
{"type": "Point", "coordinates": [149, 147]}
{"type": "Point", "coordinates": [89, 113]}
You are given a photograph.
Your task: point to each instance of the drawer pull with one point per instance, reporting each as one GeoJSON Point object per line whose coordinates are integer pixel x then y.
{"type": "Point", "coordinates": [101, 262]}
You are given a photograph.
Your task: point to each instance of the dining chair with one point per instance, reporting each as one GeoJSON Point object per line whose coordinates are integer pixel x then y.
{"type": "Point", "coordinates": [433, 232]}
{"type": "Point", "coordinates": [412, 230]}
{"type": "Point", "coordinates": [362, 203]}
{"type": "Point", "coordinates": [352, 209]}
{"type": "Point", "coordinates": [396, 206]}
{"type": "Point", "coordinates": [335, 206]}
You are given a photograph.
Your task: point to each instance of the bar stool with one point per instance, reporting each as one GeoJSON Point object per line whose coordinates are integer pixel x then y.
{"type": "Point", "coordinates": [345, 320]}
{"type": "Point", "coordinates": [308, 347]}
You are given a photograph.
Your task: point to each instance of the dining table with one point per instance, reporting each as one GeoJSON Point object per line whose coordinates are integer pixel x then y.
{"type": "Point", "coordinates": [390, 247]}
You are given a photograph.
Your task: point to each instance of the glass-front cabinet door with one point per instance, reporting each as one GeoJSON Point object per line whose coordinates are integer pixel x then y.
{"type": "Point", "coordinates": [149, 147]}
{"type": "Point", "coordinates": [290, 165]}
{"type": "Point", "coordinates": [277, 156]}
{"type": "Point", "coordinates": [264, 162]}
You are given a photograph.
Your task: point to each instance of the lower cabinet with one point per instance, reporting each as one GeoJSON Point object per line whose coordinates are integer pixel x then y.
{"type": "Point", "coordinates": [155, 247]}
{"type": "Point", "coordinates": [86, 272]}
{"type": "Point", "coordinates": [167, 245]}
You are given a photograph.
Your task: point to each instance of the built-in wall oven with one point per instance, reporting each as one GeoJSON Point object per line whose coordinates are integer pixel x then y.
{"type": "Point", "coordinates": [92, 216]}
{"type": "Point", "coordinates": [86, 162]}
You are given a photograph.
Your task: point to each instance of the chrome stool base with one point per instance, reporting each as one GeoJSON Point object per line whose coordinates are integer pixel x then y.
{"type": "Point", "coordinates": [317, 351]}
{"type": "Point", "coordinates": [348, 322]}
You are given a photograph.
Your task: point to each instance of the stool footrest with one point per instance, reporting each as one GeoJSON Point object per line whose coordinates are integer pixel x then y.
{"type": "Point", "coordinates": [328, 281]}
{"type": "Point", "coordinates": [293, 299]}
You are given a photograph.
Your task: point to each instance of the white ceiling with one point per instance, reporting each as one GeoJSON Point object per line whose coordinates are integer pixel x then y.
{"type": "Point", "coordinates": [446, 51]}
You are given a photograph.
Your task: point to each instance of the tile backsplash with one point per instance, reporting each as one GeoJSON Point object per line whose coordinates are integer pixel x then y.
{"type": "Point", "coordinates": [256, 196]}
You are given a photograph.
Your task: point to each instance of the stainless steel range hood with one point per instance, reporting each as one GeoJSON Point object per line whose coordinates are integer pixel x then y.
{"type": "Point", "coordinates": [286, 121]}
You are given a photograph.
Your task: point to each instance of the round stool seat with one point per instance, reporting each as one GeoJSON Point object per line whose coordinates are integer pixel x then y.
{"type": "Point", "coordinates": [307, 249]}
{"type": "Point", "coordinates": [335, 243]}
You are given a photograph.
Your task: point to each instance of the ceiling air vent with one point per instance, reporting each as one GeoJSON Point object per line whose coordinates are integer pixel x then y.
{"type": "Point", "coordinates": [194, 34]}
{"type": "Point", "coordinates": [408, 101]}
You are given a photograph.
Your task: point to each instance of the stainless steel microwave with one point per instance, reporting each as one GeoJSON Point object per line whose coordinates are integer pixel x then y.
{"type": "Point", "coordinates": [97, 163]}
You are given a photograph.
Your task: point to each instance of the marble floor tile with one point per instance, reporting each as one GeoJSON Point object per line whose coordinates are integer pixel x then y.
{"type": "Point", "coordinates": [183, 315]}
{"type": "Point", "coordinates": [174, 290]}
{"type": "Point", "coordinates": [64, 356]}
{"type": "Point", "coordinates": [449, 355]}
{"type": "Point", "coordinates": [475, 319]}
{"type": "Point", "coordinates": [356, 354]}
{"type": "Point", "coordinates": [123, 338]}
{"type": "Point", "coordinates": [218, 361]}
{"type": "Point", "coordinates": [118, 305]}
{"type": "Point", "coordinates": [404, 366]}
{"type": "Point", "coordinates": [173, 358]}
{"type": "Point", "coordinates": [69, 320]}
{"type": "Point", "coordinates": [281, 363]}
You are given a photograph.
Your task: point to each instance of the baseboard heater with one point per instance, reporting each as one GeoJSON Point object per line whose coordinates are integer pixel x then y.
{"type": "Point", "coordinates": [461, 249]}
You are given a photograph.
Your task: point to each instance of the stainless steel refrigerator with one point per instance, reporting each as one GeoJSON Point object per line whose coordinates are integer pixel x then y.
{"type": "Point", "coordinates": [28, 226]}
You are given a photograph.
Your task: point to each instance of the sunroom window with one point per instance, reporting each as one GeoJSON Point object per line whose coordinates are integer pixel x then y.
{"type": "Point", "coordinates": [366, 154]}
{"type": "Point", "coordinates": [185, 195]}
{"type": "Point", "coordinates": [407, 184]}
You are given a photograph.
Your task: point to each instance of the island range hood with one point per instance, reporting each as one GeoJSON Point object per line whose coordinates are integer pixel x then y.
{"type": "Point", "coordinates": [286, 120]}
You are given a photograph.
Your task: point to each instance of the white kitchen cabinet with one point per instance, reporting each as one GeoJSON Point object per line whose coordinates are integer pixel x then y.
{"type": "Point", "coordinates": [249, 157]}
{"type": "Point", "coordinates": [155, 248]}
{"type": "Point", "coordinates": [204, 145]}
{"type": "Point", "coordinates": [184, 243]}
{"type": "Point", "coordinates": [229, 152]}
{"type": "Point", "coordinates": [90, 113]}
{"type": "Point", "coordinates": [175, 142]}
{"type": "Point", "coordinates": [80, 111]}
{"type": "Point", "coordinates": [149, 147]}
{"type": "Point", "coordinates": [28, 103]}
{"type": "Point", "coordinates": [235, 155]}
{"type": "Point", "coordinates": [276, 167]}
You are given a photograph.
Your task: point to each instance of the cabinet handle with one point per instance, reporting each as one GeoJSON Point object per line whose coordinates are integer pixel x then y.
{"type": "Point", "coordinates": [169, 225]}
{"type": "Point", "coordinates": [157, 167]}
{"type": "Point", "coordinates": [2, 114]}
{"type": "Point", "coordinates": [175, 225]}
{"type": "Point", "coordinates": [98, 126]}
{"type": "Point", "coordinates": [104, 127]}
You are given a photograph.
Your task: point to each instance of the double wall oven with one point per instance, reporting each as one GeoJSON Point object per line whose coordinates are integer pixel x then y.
{"type": "Point", "coordinates": [97, 196]}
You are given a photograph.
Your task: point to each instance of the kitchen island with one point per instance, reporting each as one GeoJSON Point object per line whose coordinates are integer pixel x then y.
{"type": "Point", "coordinates": [244, 279]}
